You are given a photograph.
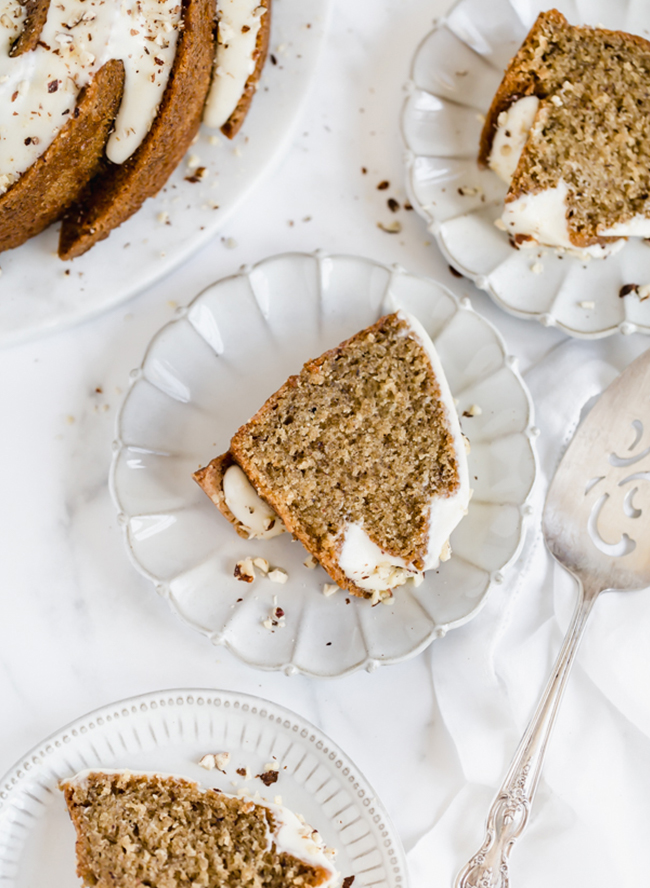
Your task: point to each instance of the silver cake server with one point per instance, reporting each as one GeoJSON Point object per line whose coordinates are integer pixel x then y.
{"type": "Point", "coordinates": [597, 525]}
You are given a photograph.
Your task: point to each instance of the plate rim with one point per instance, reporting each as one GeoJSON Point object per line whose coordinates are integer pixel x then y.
{"type": "Point", "coordinates": [496, 577]}
{"type": "Point", "coordinates": [11, 781]}
{"type": "Point", "coordinates": [481, 281]}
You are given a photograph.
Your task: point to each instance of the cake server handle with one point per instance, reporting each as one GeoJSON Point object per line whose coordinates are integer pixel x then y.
{"type": "Point", "coordinates": [509, 812]}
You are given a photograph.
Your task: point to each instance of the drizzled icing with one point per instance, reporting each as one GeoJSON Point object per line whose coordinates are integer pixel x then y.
{"type": "Point", "coordinates": [39, 88]}
{"type": "Point", "coordinates": [239, 24]}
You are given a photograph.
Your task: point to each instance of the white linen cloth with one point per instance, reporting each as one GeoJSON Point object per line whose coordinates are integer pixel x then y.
{"type": "Point", "coordinates": [591, 817]}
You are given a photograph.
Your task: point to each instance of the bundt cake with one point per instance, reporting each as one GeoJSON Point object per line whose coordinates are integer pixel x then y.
{"type": "Point", "coordinates": [102, 99]}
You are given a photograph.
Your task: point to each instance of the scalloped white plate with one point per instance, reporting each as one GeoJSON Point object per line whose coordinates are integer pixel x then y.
{"type": "Point", "coordinates": [169, 731]}
{"type": "Point", "coordinates": [207, 372]}
{"type": "Point", "coordinates": [456, 71]}
{"type": "Point", "coordinates": [39, 293]}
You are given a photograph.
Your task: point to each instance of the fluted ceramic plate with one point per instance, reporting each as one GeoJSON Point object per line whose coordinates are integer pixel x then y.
{"type": "Point", "coordinates": [456, 71]}
{"type": "Point", "coordinates": [169, 731]}
{"type": "Point", "coordinates": [39, 293]}
{"type": "Point", "coordinates": [208, 371]}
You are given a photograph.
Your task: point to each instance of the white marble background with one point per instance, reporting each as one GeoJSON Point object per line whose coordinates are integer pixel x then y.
{"type": "Point", "coordinates": [80, 628]}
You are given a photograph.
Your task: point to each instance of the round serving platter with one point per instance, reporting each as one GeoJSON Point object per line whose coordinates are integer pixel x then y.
{"type": "Point", "coordinates": [208, 371]}
{"type": "Point", "coordinates": [455, 73]}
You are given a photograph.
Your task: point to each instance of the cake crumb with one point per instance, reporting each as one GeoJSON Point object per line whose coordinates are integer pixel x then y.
{"type": "Point", "coordinates": [393, 227]}
{"type": "Point", "coordinates": [262, 564]}
{"type": "Point", "coordinates": [347, 882]}
{"type": "Point", "coordinates": [310, 562]}
{"type": "Point", "coordinates": [500, 224]}
{"type": "Point", "coordinates": [473, 410]}
{"type": "Point", "coordinates": [268, 778]}
{"type": "Point", "coordinates": [537, 268]}
{"type": "Point", "coordinates": [466, 191]}
{"type": "Point", "coordinates": [329, 589]}
{"type": "Point", "coordinates": [643, 292]}
{"type": "Point", "coordinates": [587, 303]}
{"type": "Point", "coordinates": [246, 773]}
{"type": "Point", "coordinates": [418, 579]}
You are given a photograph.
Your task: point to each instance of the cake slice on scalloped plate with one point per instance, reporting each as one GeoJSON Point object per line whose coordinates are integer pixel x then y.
{"type": "Point", "coordinates": [569, 131]}
{"type": "Point", "coordinates": [360, 456]}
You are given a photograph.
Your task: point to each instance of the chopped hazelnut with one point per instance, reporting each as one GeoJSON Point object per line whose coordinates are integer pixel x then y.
{"type": "Point", "coordinates": [245, 571]}
{"type": "Point", "coordinates": [277, 575]}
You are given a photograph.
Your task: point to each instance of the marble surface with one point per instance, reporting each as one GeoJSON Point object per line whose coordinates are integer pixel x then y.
{"type": "Point", "coordinates": [80, 628]}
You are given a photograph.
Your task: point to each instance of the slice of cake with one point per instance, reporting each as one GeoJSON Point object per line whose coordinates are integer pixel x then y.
{"type": "Point", "coordinates": [569, 131]}
{"type": "Point", "coordinates": [360, 457]}
{"type": "Point", "coordinates": [136, 829]}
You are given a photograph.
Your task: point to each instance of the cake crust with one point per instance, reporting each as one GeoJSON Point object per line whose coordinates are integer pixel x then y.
{"type": "Point", "coordinates": [234, 123]}
{"type": "Point", "coordinates": [35, 17]}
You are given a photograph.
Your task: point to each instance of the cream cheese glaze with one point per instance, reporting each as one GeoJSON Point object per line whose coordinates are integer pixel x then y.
{"type": "Point", "coordinates": [542, 216]}
{"type": "Point", "coordinates": [239, 25]}
{"type": "Point", "coordinates": [255, 516]}
{"type": "Point", "coordinates": [360, 558]}
{"type": "Point", "coordinates": [513, 126]}
{"type": "Point", "coordinates": [291, 835]}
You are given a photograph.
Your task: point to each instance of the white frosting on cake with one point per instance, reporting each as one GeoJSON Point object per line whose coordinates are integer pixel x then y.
{"type": "Point", "coordinates": [361, 559]}
{"type": "Point", "coordinates": [637, 226]}
{"type": "Point", "coordinates": [256, 516]}
{"type": "Point", "coordinates": [513, 126]}
{"type": "Point", "coordinates": [291, 835]}
{"type": "Point", "coordinates": [542, 215]}
{"type": "Point", "coordinates": [239, 24]}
